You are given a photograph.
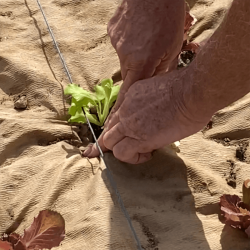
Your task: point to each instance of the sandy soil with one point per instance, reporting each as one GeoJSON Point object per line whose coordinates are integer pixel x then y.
{"type": "Point", "coordinates": [172, 200]}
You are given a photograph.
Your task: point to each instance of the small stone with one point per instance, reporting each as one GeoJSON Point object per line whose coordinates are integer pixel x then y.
{"type": "Point", "coordinates": [240, 153]}
{"type": "Point", "coordinates": [10, 212]}
{"type": "Point", "coordinates": [21, 103]}
{"type": "Point", "coordinates": [231, 182]}
{"type": "Point", "coordinates": [176, 146]}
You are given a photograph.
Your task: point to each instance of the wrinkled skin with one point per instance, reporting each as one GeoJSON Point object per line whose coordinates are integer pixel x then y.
{"type": "Point", "coordinates": [153, 114]}
{"type": "Point", "coordinates": [147, 36]}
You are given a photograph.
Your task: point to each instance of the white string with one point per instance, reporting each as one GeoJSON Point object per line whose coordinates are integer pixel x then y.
{"type": "Point", "coordinates": [111, 179]}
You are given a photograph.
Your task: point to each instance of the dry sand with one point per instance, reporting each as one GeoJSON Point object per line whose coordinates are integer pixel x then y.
{"type": "Point", "coordinates": [173, 200]}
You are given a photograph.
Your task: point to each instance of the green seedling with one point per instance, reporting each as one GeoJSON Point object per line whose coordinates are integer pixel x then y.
{"type": "Point", "coordinates": [102, 99]}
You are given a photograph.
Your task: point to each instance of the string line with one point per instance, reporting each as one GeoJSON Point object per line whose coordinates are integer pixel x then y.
{"type": "Point", "coordinates": [109, 174]}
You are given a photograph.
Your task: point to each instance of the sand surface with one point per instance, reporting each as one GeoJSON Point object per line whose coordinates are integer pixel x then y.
{"type": "Point", "coordinates": [172, 200]}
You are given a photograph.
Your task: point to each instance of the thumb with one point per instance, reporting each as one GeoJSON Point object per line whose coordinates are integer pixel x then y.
{"type": "Point", "coordinates": [128, 150]}
{"type": "Point", "coordinates": [130, 79]}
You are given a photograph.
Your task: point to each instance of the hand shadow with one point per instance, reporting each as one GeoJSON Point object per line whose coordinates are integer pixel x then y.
{"type": "Point", "coordinates": [234, 239]}
{"type": "Point", "coordinates": [159, 203]}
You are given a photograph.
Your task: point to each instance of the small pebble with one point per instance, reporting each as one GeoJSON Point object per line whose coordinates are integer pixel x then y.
{"type": "Point", "coordinates": [21, 103]}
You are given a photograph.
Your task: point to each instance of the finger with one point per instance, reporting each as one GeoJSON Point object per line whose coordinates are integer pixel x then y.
{"type": "Point", "coordinates": [92, 150]}
{"type": "Point", "coordinates": [168, 63]}
{"type": "Point", "coordinates": [131, 78]}
{"type": "Point", "coordinates": [113, 121]}
{"type": "Point", "coordinates": [114, 136]}
{"type": "Point", "coordinates": [112, 112]}
{"type": "Point", "coordinates": [128, 150]}
{"type": "Point", "coordinates": [191, 47]}
{"type": "Point", "coordinates": [121, 96]}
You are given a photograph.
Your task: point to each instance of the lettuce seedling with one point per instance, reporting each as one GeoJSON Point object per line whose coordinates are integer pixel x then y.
{"type": "Point", "coordinates": [236, 213]}
{"type": "Point", "coordinates": [102, 99]}
{"type": "Point", "coordinates": [46, 231]}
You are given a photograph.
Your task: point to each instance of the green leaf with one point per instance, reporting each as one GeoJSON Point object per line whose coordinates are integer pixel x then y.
{"type": "Point", "coordinates": [73, 108]}
{"type": "Point", "coordinates": [100, 92]}
{"type": "Point", "coordinates": [107, 85]}
{"type": "Point", "coordinates": [80, 95]}
{"type": "Point", "coordinates": [78, 117]}
{"type": "Point", "coordinates": [92, 118]}
{"type": "Point", "coordinates": [114, 94]}
{"type": "Point", "coordinates": [103, 99]}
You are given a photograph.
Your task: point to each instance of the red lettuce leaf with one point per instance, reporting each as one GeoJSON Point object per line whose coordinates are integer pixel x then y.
{"type": "Point", "coordinates": [47, 231]}
{"type": "Point", "coordinates": [190, 20]}
{"type": "Point", "coordinates": [15, 240]}
{"type": "Point", "coordinates": [229, 203]}
{"type": "Point", "coordinates": [235, 212]}
{"type": "Point", "coordinates": [4, 245]}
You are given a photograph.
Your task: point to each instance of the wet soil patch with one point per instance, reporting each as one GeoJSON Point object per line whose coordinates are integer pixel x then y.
{"type": "Point", "coordinates": [231, 177]}
{"type": "Point", "coordinates": [241, 150]}
{"type": "Point", "coordinates": [152, 241]}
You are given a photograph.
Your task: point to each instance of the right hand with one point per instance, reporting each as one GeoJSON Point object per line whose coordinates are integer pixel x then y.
{"type": "Point", "coordinates": [147, 36]}
{"type": "Point", "coordinates": [155, 112]}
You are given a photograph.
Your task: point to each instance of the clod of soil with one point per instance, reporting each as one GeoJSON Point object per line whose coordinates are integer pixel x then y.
{"type": "Point", "coordinates": [21, 103]}
{"type": "Point", "coordinates": [231, 179]}
{"type": "Point", "coordinates": [241, 150]}
{"type": "Point", "coordinates": [7, 14]}
{"type": "Point", "coordinates": [93, 111]}
{"type": "Point", "coordinates": [208, 126]}
{"type": "Point", "coordinates": [10, 212]}
{"type": "Point", "coordinates": [97, 129]}
{"type": "Point", "coordinates": [151, 239]}
{"type": "Point", "coordinates": [186, 57]}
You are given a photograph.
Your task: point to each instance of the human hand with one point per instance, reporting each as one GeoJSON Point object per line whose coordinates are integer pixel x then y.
{"type": "Point", "coordinates": [153, 114]}
{"type": "Point", "coordinates": [147, 36]}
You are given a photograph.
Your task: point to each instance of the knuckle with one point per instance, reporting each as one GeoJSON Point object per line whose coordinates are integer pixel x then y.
{"type": "Point", "coordinates": [121, 153]}
{"type": "Point", "coordinates": [124, 151]}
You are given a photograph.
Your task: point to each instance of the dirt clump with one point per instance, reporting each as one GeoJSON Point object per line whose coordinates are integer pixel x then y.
{"type": "Point", "coordinates": [241, 150]}
{"type": "Point", "coordinates": [231, 178]}
{"type": "Point", "coordinates": [21, 103]}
